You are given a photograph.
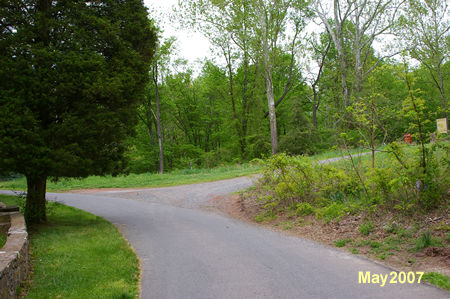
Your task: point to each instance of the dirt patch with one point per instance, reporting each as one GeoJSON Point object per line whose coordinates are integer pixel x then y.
{"type": "Point", "coordinates": [394, 249]}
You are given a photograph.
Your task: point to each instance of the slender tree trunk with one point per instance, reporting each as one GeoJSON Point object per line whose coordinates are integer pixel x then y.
{"type": "Point", "coordinates": [158, 120]}
{"type": "Point", "coordinates": [227, 53]}
{"type": "Point", "coordinates": [245, 107]}
{"type": "Point", "coordinates": [339, 43]}
{"type": "Point", "coordinates": [269, 86]}
{"type": "Point", "coordinates": [150, 126]}
{"type": "Point", "coordinates": [358, 71]}
{"type": "Point", "coordinates": [35, 203]}
{"type": "Point", "coordinates": [443, 98]}
{"type": "Point", "coordinates": [272, 113]}
{"type": "Point", "coordinates": [315, 107]}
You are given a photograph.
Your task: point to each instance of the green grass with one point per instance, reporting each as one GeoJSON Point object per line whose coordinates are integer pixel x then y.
{"type": "Point", "coordinates": [177, 177]}
{"type": "Point", "coordinates": [440, 280]}
{"type": "Point", "coordinates": [425, 240]}
{"type": "Point", "coordinates": [381, 157]}
{"type": "Point", "coordinates": [342, 242]}
{"type": "Point", "coordinates": [366, 228]}
{"type": "Point", "coordinates": [79, 255]}
{"type": "Point", "coordinates": [2, 240]}
{"type": "Point", "coordinates": [338, 153]}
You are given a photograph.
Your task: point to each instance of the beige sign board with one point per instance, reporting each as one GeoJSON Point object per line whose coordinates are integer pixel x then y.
{"type": "Point", "coordinates": [442, 125]}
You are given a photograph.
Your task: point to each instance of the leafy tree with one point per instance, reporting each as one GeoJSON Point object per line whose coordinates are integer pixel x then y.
{"type": "Point", "coordinates": [71, 74]}
{"type": "Point", "coordinates": [366, 21]}
{"type": "Point", "coordinates": [424, 31]}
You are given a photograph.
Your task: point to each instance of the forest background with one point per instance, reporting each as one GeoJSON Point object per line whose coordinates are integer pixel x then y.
{"type": "Point", "coordinates": [277, 86]}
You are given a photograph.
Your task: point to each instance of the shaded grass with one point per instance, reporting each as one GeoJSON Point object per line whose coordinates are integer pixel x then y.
{"type": "Point", "coordinates": [79, 255]}
{"type": "Point", "coordinates": [177, 177]}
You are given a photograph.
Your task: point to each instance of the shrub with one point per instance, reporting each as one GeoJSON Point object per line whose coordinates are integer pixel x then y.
{"type": "Point", "coordinates": [333, 211]}
{"type": "Point", "coordinates": [304, 209]}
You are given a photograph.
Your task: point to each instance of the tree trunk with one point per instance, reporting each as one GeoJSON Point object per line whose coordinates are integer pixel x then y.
{"type": "Point", "coordinates": [227, 53]}
{"type": "Point", "coordinates": [35, 204]}
{"type": "Point", "coordinates": [158, 120]}
{"type": "Point", "coordinates": [269, 85]}
{"type": "Point", "coordinates": [149, 125]}
{"type": "Point", "coordinates": [245, 105]}
{"type": "Point", "coordinates": [272, 114]}
{"type": "Point", "coordinates": [443, 98]}
{"type": "Point", "coordinates": [315, 106]}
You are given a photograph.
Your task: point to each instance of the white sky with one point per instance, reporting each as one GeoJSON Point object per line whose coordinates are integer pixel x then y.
{"type": "Point", "coordinates": [191, 45]}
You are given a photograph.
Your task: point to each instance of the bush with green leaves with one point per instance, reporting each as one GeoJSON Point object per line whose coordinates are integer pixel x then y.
{"type": "Point", "coordinates": [304, 209]}
{"type": "Point", "coordinates": [398, 181]}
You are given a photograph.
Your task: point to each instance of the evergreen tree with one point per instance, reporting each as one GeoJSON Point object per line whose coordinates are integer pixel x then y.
{"type": "Point", "coordinates": [70, 77]}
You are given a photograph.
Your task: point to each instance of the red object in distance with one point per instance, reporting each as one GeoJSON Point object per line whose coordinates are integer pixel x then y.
{"type": "Point", "coordinates": [407, 138]}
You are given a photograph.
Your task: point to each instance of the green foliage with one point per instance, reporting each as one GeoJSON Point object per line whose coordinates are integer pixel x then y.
{"type": "Point", "coordinates": [331, 212]}
{"type": "Point", "coordinates": [345, 187]}
{"type": "Point", "coordinates": [354, 251]}
{"type": "Point", "coordinates": [342, 242]}
{"type": "Point", "coordinates": [304, 209]}
{"type": "Point", "coordinates": [68, 101]}
{"type": "Point", "coordinates": [366, 228]}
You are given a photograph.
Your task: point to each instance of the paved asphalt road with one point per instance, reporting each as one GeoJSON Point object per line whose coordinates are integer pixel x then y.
{"type": "Point", "coordinates": [187, 252]}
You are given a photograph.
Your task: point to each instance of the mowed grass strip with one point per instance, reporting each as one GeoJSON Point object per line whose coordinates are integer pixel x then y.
{"type": "Point", "coordinates": [79, 255]}
{"type": "Point", "coordinates": [176, 177]}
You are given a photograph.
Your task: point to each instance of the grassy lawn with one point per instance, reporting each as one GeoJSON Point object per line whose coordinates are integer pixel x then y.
{"type": "Point", "coordinates": [176, 177]}
{"type": "Point", "coordinates": [173, 178]}
{"type": "Point", "coordinates": [79, 255]}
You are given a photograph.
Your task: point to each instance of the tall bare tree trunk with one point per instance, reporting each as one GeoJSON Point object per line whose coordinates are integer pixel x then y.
{"type": "Point", "coordinates": [272, 114]}
{"type": "Point", "coordinates": [269, 86]}
{"type": "Point", "coordinates": [443, 98]}
{"type": "Point", "coordinates": [315, 107]}
{"type": "Point", "coordinates": [158, 119]}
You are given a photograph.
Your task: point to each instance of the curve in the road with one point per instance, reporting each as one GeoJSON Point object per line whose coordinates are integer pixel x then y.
{"type": "Point", "coordinates": [190, 253]}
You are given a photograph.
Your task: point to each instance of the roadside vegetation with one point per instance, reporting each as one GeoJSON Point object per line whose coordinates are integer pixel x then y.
{"type": "Point", "coordinates": [78, 255]}
{"type": "Point", "coordinates": [392, 209]}
{"type": "Point", "coordinates": [133, 180]}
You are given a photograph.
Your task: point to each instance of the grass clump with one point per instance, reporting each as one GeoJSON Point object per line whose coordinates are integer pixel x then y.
{"type": "Point", "coordinates": [425, 240]}
{"type": "Point", "coordinates": [79, 255]}
{"type": "Point", "coordinates": [2, 240]}
{"type": "Point", "coordinates": [366, 228]}
{"type": "Point", "coordinates": [342, 242]}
